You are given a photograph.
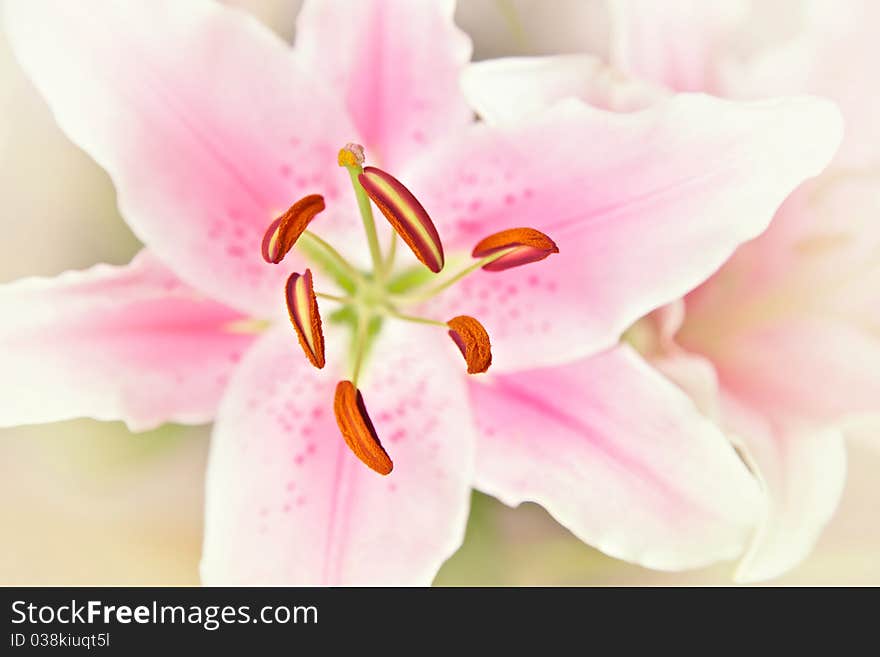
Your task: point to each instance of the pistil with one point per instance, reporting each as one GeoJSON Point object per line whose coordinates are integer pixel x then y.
{"type": "Point", "coordinates": [334, 297]}
{"type": "Point", "coordinates": [352, 158]}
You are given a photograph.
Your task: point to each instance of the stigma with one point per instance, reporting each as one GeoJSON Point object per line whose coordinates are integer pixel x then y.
{"type": "Point", "coordinates": [375, 295]}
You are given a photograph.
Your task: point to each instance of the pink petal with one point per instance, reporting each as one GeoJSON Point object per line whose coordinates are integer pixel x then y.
{"type": "Point", "coordinates": [126, 343]}
{"type": "Point", "coordinates": [396, 64]}
{"type": "Point", "coordinates": [508, 89]}
{"type": "Point", "coordinates": [820, 48]}
{"type": "Point", "coordinates": [803, 473]}
{"type": "Point", "coordinates": [620, 457]}
{"type": "Point", "coordinates": [677, 43]}
{"type": "Point", "coordinates": [819, 256]}
{"type": "Point", "coordinates": [695, 375]}
{"type": "Point", "coordinates": [814, 369]}
{"type": "Point", "coordinates": [288, 503]}
{"type": "Point", "coordinates": [203, 120]}
{"type": "Point", "coordinates": [643, 206]}
{"type": "Point", "coordinates": [668, 319]}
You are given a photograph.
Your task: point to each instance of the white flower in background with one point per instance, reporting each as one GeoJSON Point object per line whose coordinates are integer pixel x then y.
{"type": "Point", "coordinates": [782, 345]}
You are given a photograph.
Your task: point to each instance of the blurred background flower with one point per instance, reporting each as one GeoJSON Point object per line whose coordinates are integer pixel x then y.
{"type": "Point", "coordinates": [84, 502]}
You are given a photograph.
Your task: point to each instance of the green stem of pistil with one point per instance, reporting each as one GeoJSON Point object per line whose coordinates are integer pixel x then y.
{"type": "Point", "coordinates": [434, 291]}
{"type": "Point", "coordinates": [367, 216]}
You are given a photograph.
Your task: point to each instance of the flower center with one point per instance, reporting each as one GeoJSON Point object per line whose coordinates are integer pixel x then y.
{"type": "Point", "coordinates": [378, 294]}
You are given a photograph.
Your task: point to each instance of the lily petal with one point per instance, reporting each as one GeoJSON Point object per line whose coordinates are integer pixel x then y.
{"type": "Point", "coordinates": [396, 63]}
{"type": "Point", "coordinates": [126, 343]}
{"type": "Point", "coordinates": [508, 89]}
{"type": "Point", "coordinates": [818, 257]}
{"type": "Point", "coordinates": [817, 369]}
{"type": "Point", "coordinates": [288, 502]}
{"type": "Point", "coordinates": [204, 121]}
{"type": "Point", "coordinates": [643, 207]}
{"type": "Point", "coordinates": [620, 457]}
{"type": "Point", "coordinates": [814, 47]}
{"type": "Point", "coordinates": [695, 375]}
{"type": "Point", "coordinates": [676, 43]}
{"type": "Point", "coordinates": [803, 472]}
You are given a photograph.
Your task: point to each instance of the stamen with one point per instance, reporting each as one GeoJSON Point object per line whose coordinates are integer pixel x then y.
{"type": "Point", "coordinates": [405, 214]}
{"type": "Point", "coordinates": [449, 282]}
{"type": "Point", "coordinates": [283, 233]}
{"type": "Point", "coordinates": [473, 342]}
{"type": "Point", "coordinates": [303, 308]}
{"type": "Point", "coordinates": [334, 297]}
{"type": "Point", "coordinates": [415, 319]}
{"type": "Point", "coordinates": [322, 253]}
{"type": "Point", "coordinates": [526, 245]}
{"type": "Point", "coordinates": [357, 428]}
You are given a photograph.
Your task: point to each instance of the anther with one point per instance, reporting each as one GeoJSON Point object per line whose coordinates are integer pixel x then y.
{"type": "Point", "coordinates": [526, 244]}
{"type": "Point", "coordinates": [303, 308]}
{"type": "Point", "coordinates": [405, 214]}
{"type": "Point", "coordinates": [473, 342]}
{"type": "Point", "coordinates": [283, 233]}
{"type": "Point", "coordinates": [357, 428]}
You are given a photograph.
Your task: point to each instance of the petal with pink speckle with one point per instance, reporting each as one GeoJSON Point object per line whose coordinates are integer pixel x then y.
{"type": "Point", "coordinates": [289, 503]}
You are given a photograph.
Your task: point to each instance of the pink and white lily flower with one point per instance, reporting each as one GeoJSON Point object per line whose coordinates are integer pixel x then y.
{"type": "Point", "coordinates": [781, 345]}
{"type": "Point", "coordinates": [211, 127]}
